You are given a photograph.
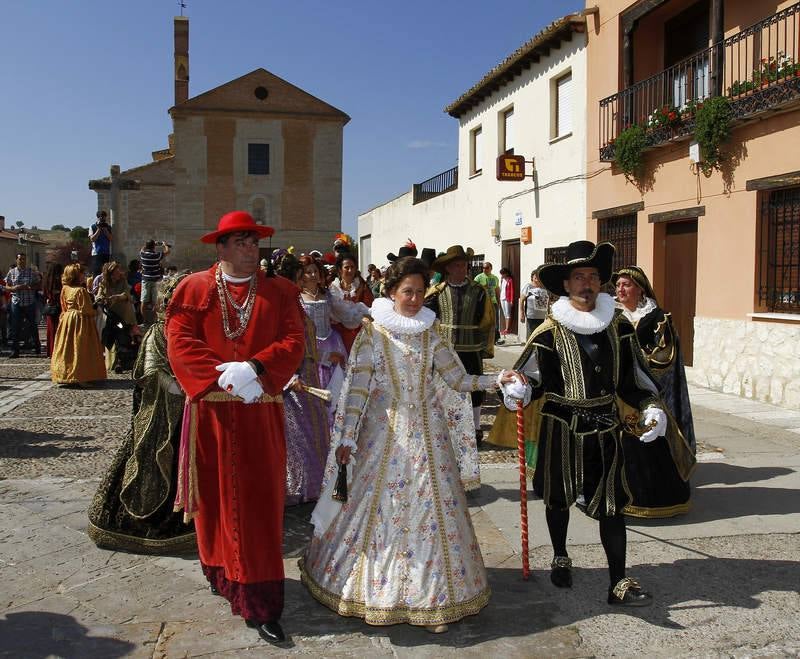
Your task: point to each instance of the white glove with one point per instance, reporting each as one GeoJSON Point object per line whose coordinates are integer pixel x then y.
{"type": "Point", "coordinates": [654, 414]}
{"type": "Point", "coordinates": [235, 375]}
{"type": "Point", "coordinates": [251, 392]}
{"type": "Point", "coordinates": [513, 392]}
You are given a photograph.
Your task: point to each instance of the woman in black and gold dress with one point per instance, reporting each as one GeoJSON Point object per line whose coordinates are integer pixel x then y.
{"type": "Point", "coordinates": [132, 509]}
{"type": "Point", "coordinates": [656, 487]}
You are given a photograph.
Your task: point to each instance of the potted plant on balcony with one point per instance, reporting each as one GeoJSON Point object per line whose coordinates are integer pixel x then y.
{"type": "Point", "coordinates": [689, 109]}
{"type": "Point", "coordinates": [712, 128]}
{"type": "Point", "coordinates": [666, 115]}
{"type": "Point", "coordinates": [628, 149]}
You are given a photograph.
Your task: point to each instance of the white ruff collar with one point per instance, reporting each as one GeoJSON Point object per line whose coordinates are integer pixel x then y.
{"type": "Point", "coordinates": [384, 314]}
{"type": "Point", "coordinates": [584, 322]}
{"type": "Point", "coordinates": [639, 312]}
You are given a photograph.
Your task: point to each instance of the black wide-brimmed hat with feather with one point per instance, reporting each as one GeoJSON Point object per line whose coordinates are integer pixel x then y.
{"type": "Point", "coordinates": [409, 249]}
{"type": "Point", "coordinates": [580, 254]}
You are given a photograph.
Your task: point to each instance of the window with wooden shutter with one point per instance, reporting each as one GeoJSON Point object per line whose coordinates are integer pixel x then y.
{"type": "Point", "coordinates": [563, 105]}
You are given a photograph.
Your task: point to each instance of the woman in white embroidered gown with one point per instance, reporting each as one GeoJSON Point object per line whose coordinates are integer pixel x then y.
{"type": "Point", "coordinates": [402, 549]}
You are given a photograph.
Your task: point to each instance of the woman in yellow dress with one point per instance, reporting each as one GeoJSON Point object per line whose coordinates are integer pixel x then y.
{"type": "Point", "coordinates": [77, 355]}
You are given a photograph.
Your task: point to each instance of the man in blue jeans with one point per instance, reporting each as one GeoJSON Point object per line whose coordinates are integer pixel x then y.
{"type": "Point", "coordinates": [22, 283]}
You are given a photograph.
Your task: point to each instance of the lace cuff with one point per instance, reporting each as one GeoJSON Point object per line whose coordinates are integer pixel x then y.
{"type": "Point", "coordinates": [346, 441]}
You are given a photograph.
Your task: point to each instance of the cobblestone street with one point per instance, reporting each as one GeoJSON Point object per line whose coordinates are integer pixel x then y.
{"type": "Point", "coordinates": [724, 577]}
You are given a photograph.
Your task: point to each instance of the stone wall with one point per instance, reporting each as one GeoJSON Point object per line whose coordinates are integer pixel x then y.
{"type": "Point", "coordinates": [756, 359]}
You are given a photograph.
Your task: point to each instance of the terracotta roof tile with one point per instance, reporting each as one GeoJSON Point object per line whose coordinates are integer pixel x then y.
{"type": "Point", "coordinates": [548, 38]}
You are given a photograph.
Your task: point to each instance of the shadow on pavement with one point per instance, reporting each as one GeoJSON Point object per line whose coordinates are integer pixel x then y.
{"type": "Point", "coordinates": [520, 608]}
{"type": "Point", "coordinates": [727, 474]}
{"type": "Point", "coordinates": [36, 634]}
{"type": "Point", "coordinates": [26, 444]}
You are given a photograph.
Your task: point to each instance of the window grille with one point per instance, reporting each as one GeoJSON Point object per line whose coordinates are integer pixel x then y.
{"type": "Point", "coordinates": [621, 232]}
{"type": "Point", "coordinates": [779, 250]}
{"type": "Point", "coordinates": [555, 254]}
{"type": "Point", "coordinates": [475, 265]}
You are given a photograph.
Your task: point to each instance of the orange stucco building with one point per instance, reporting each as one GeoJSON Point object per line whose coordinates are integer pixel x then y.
{"type": "Point", "coordinates": [723, 249]}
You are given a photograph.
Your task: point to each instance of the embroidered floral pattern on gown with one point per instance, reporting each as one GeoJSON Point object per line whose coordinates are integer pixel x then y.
{"type": "Point", "coordinates": [402, 549]}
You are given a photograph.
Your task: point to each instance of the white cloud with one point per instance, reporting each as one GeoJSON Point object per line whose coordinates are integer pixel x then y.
{"type": "Point", "coordinates": [426, 144]}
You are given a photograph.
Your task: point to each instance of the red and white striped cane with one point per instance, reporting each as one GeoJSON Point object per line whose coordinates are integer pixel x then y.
{"type": "Point", "coordinates": [523, 490]}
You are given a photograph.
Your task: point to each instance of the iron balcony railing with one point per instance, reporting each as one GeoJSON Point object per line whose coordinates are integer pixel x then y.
{"type": "Point", "coordinates": [436, 185]}
{"type": "Point", "coordinates": [758, 68]}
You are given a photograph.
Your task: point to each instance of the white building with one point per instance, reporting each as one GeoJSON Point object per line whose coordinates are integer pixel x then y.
{"type": "Point", "coordinates": [532, 104]}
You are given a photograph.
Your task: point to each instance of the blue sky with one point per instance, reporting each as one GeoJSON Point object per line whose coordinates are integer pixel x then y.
{"type": "Point", "coordinates": [87, 83]}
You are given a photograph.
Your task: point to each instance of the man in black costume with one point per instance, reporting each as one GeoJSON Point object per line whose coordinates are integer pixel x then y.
{"type": "Point", "coordinates": [466, 317]}
{"type": "Point", "coordinates": [587, 378]}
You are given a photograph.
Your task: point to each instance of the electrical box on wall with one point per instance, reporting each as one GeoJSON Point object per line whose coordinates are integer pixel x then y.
{"type": "Point", "coordinates": [495, 230]}
{"type": "Point", "coordinates": [694, 152]}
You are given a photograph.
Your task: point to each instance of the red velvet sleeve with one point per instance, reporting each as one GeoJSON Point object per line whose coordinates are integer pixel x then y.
{"type": "Point", "coordinates": [193, 361]}
{"type": "Point", "coordinates": [282, 357]}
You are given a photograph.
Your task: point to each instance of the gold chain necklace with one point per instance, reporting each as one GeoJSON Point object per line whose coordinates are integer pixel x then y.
{"type": "Point", "coordinates": [243, 311]}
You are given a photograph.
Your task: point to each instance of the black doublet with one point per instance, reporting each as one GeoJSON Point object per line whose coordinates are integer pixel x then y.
{"type": "Point", "coordinates": [579, 457]}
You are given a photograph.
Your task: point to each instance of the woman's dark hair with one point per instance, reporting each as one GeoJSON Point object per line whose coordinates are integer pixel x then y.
{"type": "Point", "coordinates": [289, 267]}
{"type": "Point", "coordinates": [505, 271]}
{"type": "Point", "coordinates": [408, 265]}
{"type": "Point", "coordinates": [341, 257]}
{"type": "Point", "coordinates": [307, 260]}
{"type": "Point", "coordinates": [52, 278]}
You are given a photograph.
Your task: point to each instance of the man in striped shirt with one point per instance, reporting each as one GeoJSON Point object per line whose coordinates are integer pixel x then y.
{"type": "Point", "coordinates": [23, 282]}
{"type": "Point", "coordinates": [152, 273]}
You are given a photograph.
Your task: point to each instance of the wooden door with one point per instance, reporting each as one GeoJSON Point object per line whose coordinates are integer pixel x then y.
{"type": "Point", "coordinates": [680, 286]}
{"type": "Point", "coordinates": [510, 260]}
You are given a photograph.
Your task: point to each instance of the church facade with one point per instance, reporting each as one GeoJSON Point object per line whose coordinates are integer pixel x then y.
{"type": "Point", "coordinates": [257, 143]}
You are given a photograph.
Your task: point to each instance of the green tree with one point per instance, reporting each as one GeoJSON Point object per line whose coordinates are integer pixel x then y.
{"type": "Point", "coordinates": [20, 223]}
{"type": "Point", "coordinates": [59, 227]}
{"type": "Point", "coordinates": [79, 235]}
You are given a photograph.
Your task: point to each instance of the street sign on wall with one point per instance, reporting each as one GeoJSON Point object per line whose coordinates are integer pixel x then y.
{"type": "Point", "coordinates": [510, 168]}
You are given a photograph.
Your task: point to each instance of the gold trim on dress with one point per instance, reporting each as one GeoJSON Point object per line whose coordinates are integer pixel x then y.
{"type": "Point", "coordinates": [654, 513]}
{"type": "Point", "coordinates": [394, 615]}
{"type": "Point", "coordinates": [121, 542]}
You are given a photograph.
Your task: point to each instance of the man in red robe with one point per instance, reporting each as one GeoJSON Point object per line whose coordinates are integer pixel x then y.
{"type": "Point", "coordinates": [235, 337]}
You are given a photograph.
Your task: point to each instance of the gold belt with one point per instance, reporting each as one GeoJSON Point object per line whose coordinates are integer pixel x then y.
{"type": "Point", "coordinates": [224, 397]}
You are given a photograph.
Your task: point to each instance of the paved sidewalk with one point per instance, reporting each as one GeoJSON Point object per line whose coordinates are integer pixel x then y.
{"type": "Point", "coordinates": [725, 576]}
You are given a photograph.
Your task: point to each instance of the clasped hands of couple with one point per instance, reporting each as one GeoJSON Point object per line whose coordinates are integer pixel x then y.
{"type": "Point", "coordinates": [507, 379]}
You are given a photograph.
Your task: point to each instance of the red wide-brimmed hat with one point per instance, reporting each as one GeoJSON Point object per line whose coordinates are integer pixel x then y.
{"type": "Point", "coordinates": [234, 222]}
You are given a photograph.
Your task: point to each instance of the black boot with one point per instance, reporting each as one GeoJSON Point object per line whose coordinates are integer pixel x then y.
{"type": "Point", "coordinates": [214, 590]}
{"type": "Point", "coordinates": [271, 632]}
{"type": "Point", "coordinates": [628, 592]}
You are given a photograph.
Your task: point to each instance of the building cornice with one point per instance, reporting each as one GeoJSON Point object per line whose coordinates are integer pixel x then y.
{"type": "Point", "coordinates": [520, 60]}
